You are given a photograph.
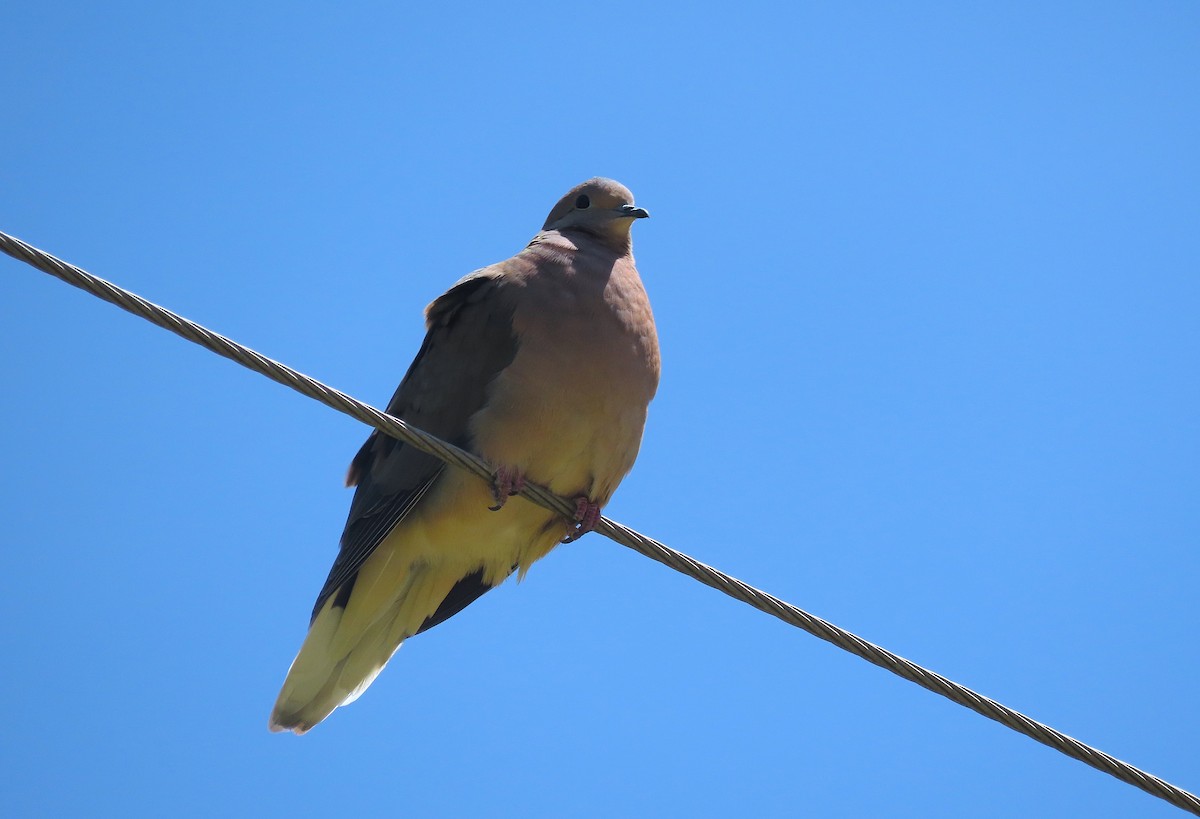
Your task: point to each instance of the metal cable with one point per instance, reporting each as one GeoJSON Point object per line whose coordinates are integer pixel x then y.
{"type": "Point", "coordinates": [621, 534]}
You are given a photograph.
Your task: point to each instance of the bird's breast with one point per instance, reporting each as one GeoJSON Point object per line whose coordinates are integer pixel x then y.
{"type": "Point", "coordinates": [570, 408]}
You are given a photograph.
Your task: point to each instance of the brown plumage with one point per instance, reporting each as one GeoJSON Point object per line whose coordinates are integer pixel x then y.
{"type": "Point", "coordinates": [543, 365]}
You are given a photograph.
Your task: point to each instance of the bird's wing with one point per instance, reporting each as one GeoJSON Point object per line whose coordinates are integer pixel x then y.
{"type": "Point", "coordinates": [469, 342]}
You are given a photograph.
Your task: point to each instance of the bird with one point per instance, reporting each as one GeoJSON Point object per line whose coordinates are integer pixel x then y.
{"type": "Point", "coordinates": [544, 365]}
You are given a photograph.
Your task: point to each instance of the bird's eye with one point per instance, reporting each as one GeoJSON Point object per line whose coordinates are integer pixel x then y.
{"type": "Point", "coordinates": [582, 202]}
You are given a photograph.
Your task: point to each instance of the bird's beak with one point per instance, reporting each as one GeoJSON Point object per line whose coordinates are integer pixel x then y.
{"type": "Point", "coordinates": [632, 212]}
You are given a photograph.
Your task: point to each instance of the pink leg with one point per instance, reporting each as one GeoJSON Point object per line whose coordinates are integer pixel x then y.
{"type": "Point", "coordinates": [586, 516]}
{"type": "Point", "coordinates": [506, 482]}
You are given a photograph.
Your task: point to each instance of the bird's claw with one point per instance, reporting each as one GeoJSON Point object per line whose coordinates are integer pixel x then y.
{"type": "Point", "coordinates": [506, 482]}
{"type": "Point", "coordinates": [587, 514]}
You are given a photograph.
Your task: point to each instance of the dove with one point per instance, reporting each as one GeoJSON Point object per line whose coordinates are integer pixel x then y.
{"type": "Point", "coordinates": [543, 365]}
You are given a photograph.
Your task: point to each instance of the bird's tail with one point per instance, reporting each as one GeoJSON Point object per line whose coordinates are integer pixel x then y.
{"type": "Point", "coordinates": [348, 645]}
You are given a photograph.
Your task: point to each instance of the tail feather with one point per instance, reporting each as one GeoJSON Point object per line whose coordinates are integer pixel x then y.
{"type": "Point", "coordinates": [346, 648]}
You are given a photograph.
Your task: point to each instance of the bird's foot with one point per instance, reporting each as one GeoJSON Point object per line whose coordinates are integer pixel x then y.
{"type": "Point", "coordinates": [506, 482]}
{"type": "Point", "coordinates": [587, 514]}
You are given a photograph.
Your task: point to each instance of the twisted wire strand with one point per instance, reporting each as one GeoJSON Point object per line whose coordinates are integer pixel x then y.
{"type": "Point", "coordinates": [623, 535]}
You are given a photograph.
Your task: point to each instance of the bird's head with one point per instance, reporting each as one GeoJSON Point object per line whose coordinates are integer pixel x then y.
{"type": "Point", "coordinates": [601, 207]}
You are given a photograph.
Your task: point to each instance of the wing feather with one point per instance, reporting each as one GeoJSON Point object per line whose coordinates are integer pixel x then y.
{"type": "Point", "coordinates": [469, 341]}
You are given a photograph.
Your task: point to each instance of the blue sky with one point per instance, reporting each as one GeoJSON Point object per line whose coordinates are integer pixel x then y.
{"type": "Point", "coordinates": [926, 281]}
